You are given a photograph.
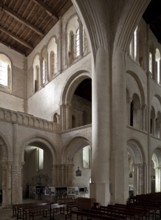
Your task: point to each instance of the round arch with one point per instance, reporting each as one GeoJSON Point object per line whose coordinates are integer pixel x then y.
{"type": "Point", "coordinates": [77, 157]}
{"type": "Point", "coordinates": [72, 147]}
{"type": "Point", "coordinates": [140, 86]}
{"type": "Point", "coordinates": [134, 148]}
{"type": "Point", "coordinates": [38, 159]}
{"type": "Point", "coordinates": [5, 172]}
{"type": "Point", "coordinates": [42, 143]}
{"type": "Point", "coordinates": [72, 84]}
{"type": "Point", "coordinates": [137, 179]}
{"type": "Point", "coordinates": [156, 170]}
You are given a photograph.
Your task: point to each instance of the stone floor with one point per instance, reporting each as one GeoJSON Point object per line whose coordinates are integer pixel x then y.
{"type": "Point", "coordinates": [6, 214]}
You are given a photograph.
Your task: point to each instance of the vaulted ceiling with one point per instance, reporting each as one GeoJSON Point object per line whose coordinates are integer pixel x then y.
{"type": "Point", "coordinates": [23, 23]}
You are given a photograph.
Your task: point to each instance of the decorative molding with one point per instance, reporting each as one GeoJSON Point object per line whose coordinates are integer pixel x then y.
{"type": "Point", "coordinates": [27, 120]}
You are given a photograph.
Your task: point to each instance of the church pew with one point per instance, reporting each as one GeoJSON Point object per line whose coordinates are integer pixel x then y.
{"type": "Point", "coordinates": [93, 216]}
{"type": "Point", "coordinates": [39, 210]}
{"type": "Point", "coordinates": [17, 207]}
{"type": "Point", "coordinates": [129, 213]}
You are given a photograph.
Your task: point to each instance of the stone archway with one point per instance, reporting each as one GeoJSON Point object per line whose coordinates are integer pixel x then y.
{"type": "Point", "coordinates": [6, 175]}
{"type": "Point", "coordinates": [156, 171]}
{"type": "Point", "coordinates": [39, 161]}
{"type": "Point", "coordinates": [138, 171]}
{"type": "Point", "coordinates": [109, 74]}
{"type": "Point", "coordinates": [73, 113]}
{"type": "Point", "coordinates": [73, 159]}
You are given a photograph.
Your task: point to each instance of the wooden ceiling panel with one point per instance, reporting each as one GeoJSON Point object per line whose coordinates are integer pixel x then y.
{"type": "Point", "coordinates": [23, 24]}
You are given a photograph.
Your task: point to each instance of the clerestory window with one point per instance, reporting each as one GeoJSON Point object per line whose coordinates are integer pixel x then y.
{"type": "Point", "coordinates": [5, 73]}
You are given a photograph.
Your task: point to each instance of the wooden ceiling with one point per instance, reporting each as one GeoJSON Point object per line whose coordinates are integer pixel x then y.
{"type": "Point", "coordinates": [24, 23]}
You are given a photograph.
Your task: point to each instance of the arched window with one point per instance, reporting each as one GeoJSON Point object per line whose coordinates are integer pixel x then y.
{"type": "Point", "coordinates": [77, 43]}
{"type": "Point", "coordinates": [44, 71]}
{"type": "Point", "coordinates": [86, 156]}
{"type": "Point", "coordinates": [36, 74]}
{"type": "Point", "coordinates": [5, 72]}
{"type": "Point", "coordinates": [133, 45]}
{"type": "Point", "coordinates": [52, 57]}
{"type": "Point", "coordinates": [71, 46]}
{"type": "Point", "coordinates": [73, 39]}
{"type": "Point", "coordinates": [40, 158]}
{"type": "Point", "coordinates": [150, 63]}
{"type": "Point", "coordinates": [157, 60]}
{"type": "Point", "coordinates": [152, 121]}
{"type": "Point", "coordinates": [52, 63]}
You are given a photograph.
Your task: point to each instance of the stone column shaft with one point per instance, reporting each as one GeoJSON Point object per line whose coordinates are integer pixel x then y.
{"type": "Point", "coordinates": [100, 187]}
{"type": "Point", "coordinates": [16, 183]}
{"type": "Point", "coordinates": [6, 184]}
{"type": "Point", "coordinates": [119, 161]}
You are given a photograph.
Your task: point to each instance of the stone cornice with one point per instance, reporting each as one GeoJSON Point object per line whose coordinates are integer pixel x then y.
{"type": "Point", "coordinates": [27, 120]}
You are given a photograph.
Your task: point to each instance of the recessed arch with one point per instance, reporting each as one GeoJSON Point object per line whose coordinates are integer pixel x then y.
{"type": "Point", "coordinates": [156, 156]}
{"type": "Point", "coordinates": [5, 171]}
{"type": "Point", "coordinates": [5, 72]}
{"type": "Point", "coordinates": [72, 147]}
{"type": "Point", "coordinates": [156, 170]}
{"type": "Point", "coordinates": [78, 154]}
{"type": "Point", "coordinates": [72, 84]}
{"type": "Point", "coordinates": [134, 148]}
{"type": "Point", "coordinates": [136, 163]}
{"type": "Point", "coordinates": [42, 143]}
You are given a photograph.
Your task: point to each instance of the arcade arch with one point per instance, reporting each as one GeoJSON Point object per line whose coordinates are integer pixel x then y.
{"type": "Point", "coordinates": [136, 168]}
{"type": "Point", "coordinates": [77, 101]}
{"type": "Point", "coordinates": [5, 174]}
{"type": "Point", "coordinates": [39, 159]}
{"type": "Point", "coordinates": [78, 156]}
{"type": "Point", "coordinates": [156, 171]}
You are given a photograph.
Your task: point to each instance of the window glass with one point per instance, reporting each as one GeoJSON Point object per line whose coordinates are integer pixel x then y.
{"type": "Point", "coordinates": [77, 43]}
{"type": "Point", "coordinates": [86, 157]}
{"type": "Point", "coordinates": [3, 73]}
